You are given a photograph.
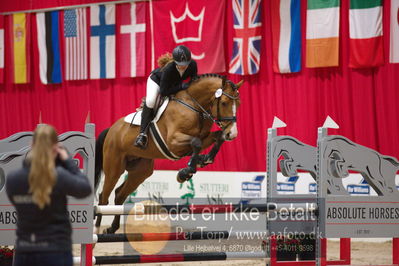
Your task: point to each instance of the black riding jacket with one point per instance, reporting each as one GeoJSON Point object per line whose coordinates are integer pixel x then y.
{"type": "Point", "coordinates": [169, 79]}
{"type": "Point", "coordinates": [48, 229]}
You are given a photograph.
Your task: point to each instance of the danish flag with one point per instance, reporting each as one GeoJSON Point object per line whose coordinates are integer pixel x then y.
{"type": "Point", "coordinates": [247, 37]}
{"type": "Point", "coordinates": [191, 23]}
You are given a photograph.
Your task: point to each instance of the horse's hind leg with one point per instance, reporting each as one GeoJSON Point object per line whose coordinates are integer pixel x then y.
{"type": "Point", "coordinates": [186, 173]}
{"type": "Point", "coordinates": [113, 169]}
{"type": "Point", "coordinates": [136, 175]}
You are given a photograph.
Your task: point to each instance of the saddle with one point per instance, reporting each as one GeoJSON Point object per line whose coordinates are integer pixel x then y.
{"type": "Point", "coordinates": [135, 118]}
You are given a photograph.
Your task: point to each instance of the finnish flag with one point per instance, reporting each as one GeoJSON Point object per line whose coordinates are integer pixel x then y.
{"type": "Point", "coordinates": [102, 41]}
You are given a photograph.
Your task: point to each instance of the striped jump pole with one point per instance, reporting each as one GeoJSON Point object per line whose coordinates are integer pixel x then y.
{"type": "Point", "coordinates": [174, 257]}
{"type": "Point", "coordinates": [197, 235]}
{"type": "Point", "coordinates": [139, 209]}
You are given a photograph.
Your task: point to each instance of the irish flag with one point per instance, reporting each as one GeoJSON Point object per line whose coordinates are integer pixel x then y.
{"type": "Point", "coordinates": [322, 33]}
{"type": "Point", "coordinates": [365, 32]}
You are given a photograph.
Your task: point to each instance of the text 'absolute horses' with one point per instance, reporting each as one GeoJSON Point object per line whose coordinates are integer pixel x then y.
{"type": "Point", "coordinates": [185, 128]}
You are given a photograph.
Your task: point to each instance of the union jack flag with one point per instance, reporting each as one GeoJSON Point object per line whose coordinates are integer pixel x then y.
{"type": "Point", "coordinates": [247, 37]}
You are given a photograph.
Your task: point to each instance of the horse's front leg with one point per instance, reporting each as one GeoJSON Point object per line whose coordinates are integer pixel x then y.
{"type": "Point", "coordinates": [205, 159]}
{"type": "Point", "coordinates": [186, 173]}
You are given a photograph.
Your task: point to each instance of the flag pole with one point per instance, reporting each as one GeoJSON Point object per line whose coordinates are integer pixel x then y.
{"type": "Point", "coordinates": [71, 7]}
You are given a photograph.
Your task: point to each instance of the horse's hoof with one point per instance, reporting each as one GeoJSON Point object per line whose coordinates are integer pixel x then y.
{"type": "Point", "coordinates": [180, 179]}
{"type": "Point", "coordinates": [204, 160]}
{"type": "Point", "coordinates": [201, 160]}
{"type": "Point", "coordinates": [108, 231]}
{"type": "Point", "coordinates": [183, 175]}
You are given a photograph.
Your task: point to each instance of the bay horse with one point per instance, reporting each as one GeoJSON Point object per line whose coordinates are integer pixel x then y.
{"type": "Point", "coordinates": [185, 126]}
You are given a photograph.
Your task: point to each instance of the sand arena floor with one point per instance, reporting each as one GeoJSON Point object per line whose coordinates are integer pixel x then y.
{"type": "Point", "coordinates": [363, 253]}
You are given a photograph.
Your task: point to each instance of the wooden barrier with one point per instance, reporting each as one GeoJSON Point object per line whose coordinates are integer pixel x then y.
{"type": "Point", "coordinates": [209, 256]}
{"type": "Point", "coordinates": [183, 236]}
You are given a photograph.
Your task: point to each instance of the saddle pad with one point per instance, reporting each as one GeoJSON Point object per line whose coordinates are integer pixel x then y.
{"type": "Point", "coordinates": [136, 116]}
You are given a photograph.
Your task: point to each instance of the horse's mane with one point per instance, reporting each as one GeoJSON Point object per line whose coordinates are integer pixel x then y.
{"type": "Point", "coordinates": [208, 75]}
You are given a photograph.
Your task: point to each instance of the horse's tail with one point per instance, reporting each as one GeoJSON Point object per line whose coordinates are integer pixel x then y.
{"type": "Point", "coordinates": [99, 157]}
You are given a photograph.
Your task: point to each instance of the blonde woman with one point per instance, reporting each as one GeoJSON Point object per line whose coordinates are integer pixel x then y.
{"type": "Point", "coordinates": [38, 191]}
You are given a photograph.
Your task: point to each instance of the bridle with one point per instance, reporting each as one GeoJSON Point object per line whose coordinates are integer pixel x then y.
{"type": "Point", "coordinates": [218, 120]}
{"type": "Point", "coordinates": [230, 119]}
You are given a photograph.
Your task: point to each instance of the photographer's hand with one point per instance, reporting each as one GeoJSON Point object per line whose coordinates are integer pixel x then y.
{"type": "Point", "coordinates": [62, 153]}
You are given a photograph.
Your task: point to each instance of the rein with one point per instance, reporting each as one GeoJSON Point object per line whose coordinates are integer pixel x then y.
{"type": "Point", "coordinates": [202, 111]}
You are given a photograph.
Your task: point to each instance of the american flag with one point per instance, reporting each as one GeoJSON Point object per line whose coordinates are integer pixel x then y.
{"type": "Point", "coordinates": [76, 44]}
{"type": "Point", "coordinates": [247, 37]}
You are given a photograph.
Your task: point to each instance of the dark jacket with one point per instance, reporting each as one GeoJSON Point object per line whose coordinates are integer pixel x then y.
{"type": "Point", "coordinates": [48, 229]}
{"type": "Point", "coordinates": [169, 79]}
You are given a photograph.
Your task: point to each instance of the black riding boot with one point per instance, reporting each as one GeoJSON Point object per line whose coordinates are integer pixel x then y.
{"type": "Point", "coordinates": [146, 117]}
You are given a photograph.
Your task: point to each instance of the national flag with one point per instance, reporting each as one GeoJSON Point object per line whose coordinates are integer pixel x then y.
{"type": "Point", "coordinates": [286, 35]}
{"type": "Point", "coordinates": [394, 41]}
{"type": "Point", "coordinates": [1, 49]}
{"type": "Point", "coordinates": [322, 33]}
{"type": "Point", "coordinates": [102, 41]}
{"type": "Point", "coordinates": [19, 45]}
{"type": "Point", "coordinates": [190, 23]}
{"type": "Point", "coordinates": [75, 35]}
{"type": "Point", "coordinates": [131, 42]}
{"type": "Point", "coordinates": [247, 38]}
{"type": "Point", "coordinates": [365, 32]}
{"type": "Point", "coordinates": [49, 47]}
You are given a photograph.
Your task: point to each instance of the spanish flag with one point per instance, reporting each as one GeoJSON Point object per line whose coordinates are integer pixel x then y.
{"type": "Point", "coordinates": [19, 45]}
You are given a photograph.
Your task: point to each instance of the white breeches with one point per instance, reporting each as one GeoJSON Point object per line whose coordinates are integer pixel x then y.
{"type": "Point", "coordinates": [152, 93]}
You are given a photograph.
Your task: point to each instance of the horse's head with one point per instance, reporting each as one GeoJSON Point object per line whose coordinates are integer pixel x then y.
{"type": "Point", "coordinates": [224, 107]}
{"type": "Point", "coordinates": [218, 100]}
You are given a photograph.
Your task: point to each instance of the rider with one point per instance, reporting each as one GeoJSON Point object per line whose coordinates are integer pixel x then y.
{"type": "Point", "coordinates": [166, 80]}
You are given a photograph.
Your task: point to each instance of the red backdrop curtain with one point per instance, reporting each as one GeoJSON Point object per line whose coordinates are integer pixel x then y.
{"type": "Point", "coordinates": [362, 101]}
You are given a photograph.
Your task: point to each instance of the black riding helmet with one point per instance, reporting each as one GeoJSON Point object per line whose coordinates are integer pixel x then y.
{"type": "Point", "coordinates": [182, 55]}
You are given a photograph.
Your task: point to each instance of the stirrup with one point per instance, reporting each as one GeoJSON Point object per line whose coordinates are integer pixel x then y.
{"type": "Point", "coordinates": [141, 141]}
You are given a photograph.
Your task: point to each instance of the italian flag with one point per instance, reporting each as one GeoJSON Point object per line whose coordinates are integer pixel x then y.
{"type": "Point", "coordinates": [365, 32]}
{"type": "Point", "coordinates": [322, 33]}
{"type": "Point", "coordinates": [394, 41]}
